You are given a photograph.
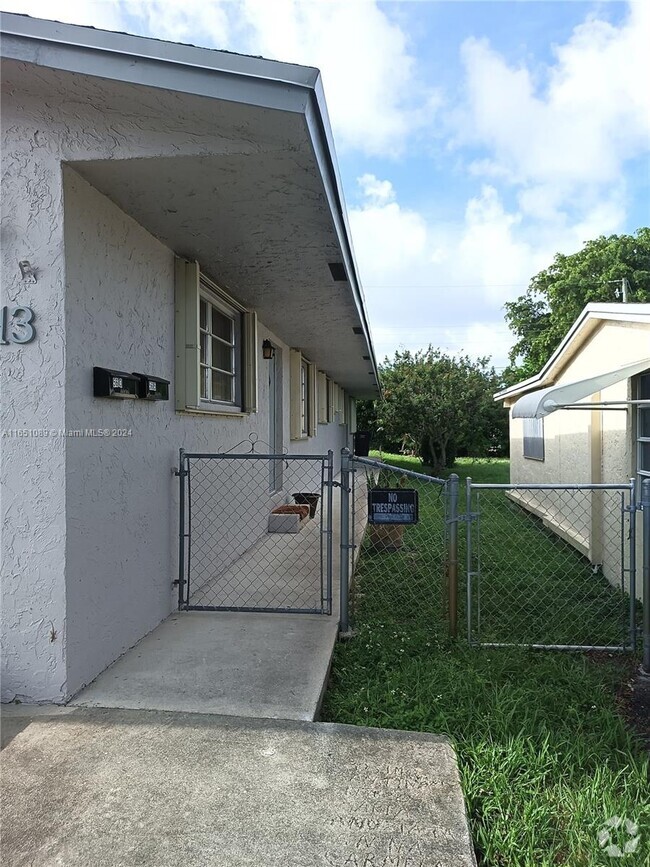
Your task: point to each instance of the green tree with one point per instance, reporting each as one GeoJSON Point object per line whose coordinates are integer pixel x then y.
{"type": "Point", "coordinates": [435, 405]}
{"type": "Point", "coordinates": [555, 297]}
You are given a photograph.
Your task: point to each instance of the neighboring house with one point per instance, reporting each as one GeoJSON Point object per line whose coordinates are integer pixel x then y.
{"type": "Point", "coordinates": [578, 422]}
{"type": "Point", "coordinates": [166, 210]}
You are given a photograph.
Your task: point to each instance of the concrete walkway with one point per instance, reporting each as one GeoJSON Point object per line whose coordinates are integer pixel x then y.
{"type": "Point", "coordinates": [281, 570]}
{"type": "Point", "coordinates": [112, 788]}
{"type": "Point", "coordinates": [252, 665]}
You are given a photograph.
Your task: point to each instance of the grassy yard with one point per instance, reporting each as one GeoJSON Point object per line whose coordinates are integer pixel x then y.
{"type": "Point", "coordinates": [545, 757]}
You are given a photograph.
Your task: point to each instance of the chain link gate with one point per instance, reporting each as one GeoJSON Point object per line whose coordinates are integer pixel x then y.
{"type": "Point", "coordinates": [551, 566]}
{"type": "Point", "coordinates": [392, 573]}
{"type": "Point", "coordinates": [255, 532]}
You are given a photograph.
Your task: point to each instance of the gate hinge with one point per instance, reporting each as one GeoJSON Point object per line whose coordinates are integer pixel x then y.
{"type": "Point", "coordinates": [467, 518]}
{"type": "Point", "coordinates": [339, 485]}
{"type": "Point", "coordinates": [177, 472]}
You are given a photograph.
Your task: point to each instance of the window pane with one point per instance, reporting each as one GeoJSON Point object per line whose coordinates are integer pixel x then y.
{"type": "Point", "coordinates": [204, 348]}
{"type": "Point", "coordinates": [222, 325]}
{"type": "Point", "coordinates": [221, 355]}
{"type": "Point", "coordinates": [534, 438]}
{"type": "Point", "coordinates": [644, 387]}
{"type": "Point", "coordinates": [644, 422]}
{"type": "Point", "coordinates": [205, 379]}
{"type": "Point", "coordinates": [204, 315]}
{"type": "Point", "coordinates": [222, 386]}
{"type": "Point", "coordinates": [303, 398]}
{"type": "Point", "coordinates": [644, 456]}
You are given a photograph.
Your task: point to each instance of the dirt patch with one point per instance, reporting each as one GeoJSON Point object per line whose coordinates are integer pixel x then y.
{"type": "Point", "coordinates": [633, 699]}
{"type": "Point", "coordinates": [632, 693]}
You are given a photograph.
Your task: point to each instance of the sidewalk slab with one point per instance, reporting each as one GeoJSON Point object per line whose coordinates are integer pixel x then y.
{"type": "Point", "coordinates": [115, 787]}
{"type": "Point", "coordinates": [241, 664]}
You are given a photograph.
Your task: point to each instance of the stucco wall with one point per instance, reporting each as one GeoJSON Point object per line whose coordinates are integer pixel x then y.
{"type": "Point", "coordinates": [576, 453]}
{"type": "Point", "coordinates": [96, 518]}
{"type": "Point", "coordinates": [120, 491]}
{"type": "Point", "coordinates": [32, 466]}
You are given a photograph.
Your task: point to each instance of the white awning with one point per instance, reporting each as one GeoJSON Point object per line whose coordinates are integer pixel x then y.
{"type": "Point", "coordinates": [543, 402]}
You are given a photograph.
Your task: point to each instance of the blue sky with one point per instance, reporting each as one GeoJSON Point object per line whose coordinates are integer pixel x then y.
{"type": "Point", "coordinates": [475, 139]}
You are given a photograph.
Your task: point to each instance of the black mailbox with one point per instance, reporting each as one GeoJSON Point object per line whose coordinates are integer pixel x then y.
{"type": "Point", "coordinates": [152, 387]}
{"type": "Point", "coordinates": [114, 383]}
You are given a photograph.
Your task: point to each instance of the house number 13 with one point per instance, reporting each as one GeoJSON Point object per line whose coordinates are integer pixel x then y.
{"type": "Point", "coordinates": [16, 325]}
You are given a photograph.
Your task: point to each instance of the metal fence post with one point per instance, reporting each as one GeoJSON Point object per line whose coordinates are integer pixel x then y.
{"type": "Point", "coordinates": [469, 554]}
{"type": "Point", "coordinates": [632, 512]}
{"type": "Point", "coordinates": [645, 506]}
{"type": "Point", "coordinates": [330, 528]}
{"type": "Point", "coordinates": [452, 555]}
{"type": "Point", "coordinates": [344, 614]}
{"type": "Point", "coordinates": [181, 528]}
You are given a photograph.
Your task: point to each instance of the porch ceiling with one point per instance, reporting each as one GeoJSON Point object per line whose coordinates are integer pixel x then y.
{"type": "Point", "coordinates": [259, 225]}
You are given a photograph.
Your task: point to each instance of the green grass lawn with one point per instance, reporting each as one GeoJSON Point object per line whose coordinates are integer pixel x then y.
{"type": "Point", "coordinates": [545, 758]}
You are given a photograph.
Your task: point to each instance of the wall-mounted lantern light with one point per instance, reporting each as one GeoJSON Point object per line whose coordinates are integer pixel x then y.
{"type": "Point", "coordinates": [268, 350]}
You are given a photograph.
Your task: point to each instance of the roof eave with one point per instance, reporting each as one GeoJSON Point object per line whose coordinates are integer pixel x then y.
{"type": "Point", "coordinates": [202, 72]}
{"type": "Point", "coordinates": [592, 314]}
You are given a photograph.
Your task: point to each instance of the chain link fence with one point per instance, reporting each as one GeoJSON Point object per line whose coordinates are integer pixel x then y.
{"type": "Point", "coordinates": [256, 532]}
{"type": "Point", "coordinates": [397, 572]}
{"type": "Point", "coordinates": [551, 566]}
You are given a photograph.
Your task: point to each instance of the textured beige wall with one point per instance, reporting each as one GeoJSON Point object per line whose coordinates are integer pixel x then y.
{"type": "Point", "coordinates": [575, 453]}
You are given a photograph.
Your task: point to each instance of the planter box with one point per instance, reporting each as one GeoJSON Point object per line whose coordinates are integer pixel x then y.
{"type": "Point", "coordinates": [287, 519]}
{"type": "Point", "coordinates": [308, 499]}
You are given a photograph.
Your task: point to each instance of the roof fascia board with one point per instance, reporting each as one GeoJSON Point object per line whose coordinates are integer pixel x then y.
{"type": "Point", "coordinates": [55, 33]}
{"type": "Point", "coordinates": [321, 136]}
{"type": "Point", "coordinates": [161, 74]}
{"type": "Point", "coordinates": [584, 325]}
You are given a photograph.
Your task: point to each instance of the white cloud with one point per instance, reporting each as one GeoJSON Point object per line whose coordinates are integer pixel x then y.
{"type": "Point", "coordinates": [423, 277]}
{"type": "Point", "coordinates": [376, 191]}
{"type": "Point", "coordinates": [198, 22]}
{"type": "Point", "coordinates": [106, 15]}
{"type": "Point", "coordinates": [565, 136]}
{"type": "Point", "coordinates": [369, 74]}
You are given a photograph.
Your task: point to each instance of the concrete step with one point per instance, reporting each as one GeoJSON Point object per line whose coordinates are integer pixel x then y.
{"type": "Point", "coordinates": [242, 664]}
{"type": "Point", "coordinates": [121, 787]}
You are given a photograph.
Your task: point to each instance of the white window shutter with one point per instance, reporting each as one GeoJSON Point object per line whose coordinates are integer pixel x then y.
{"type": "Point", "coordinates": [322, 398]}
{"type": "Point", "coordinates": [186, 336]}
{"type": "Point", "coordinates": [295, 359]}
{"type": "Point", "coordinates": [249, 354]}
{"type": "Point", "coordinates": [344, 407]}
{"type": "Point", "coordinates": [337, 398]}
{"type": "Point", "coordinates": [353, 415]}
{"type": "Point", "coordinates": [313, 401]}
{"type": "Point", "coordinates": [330, 401]}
